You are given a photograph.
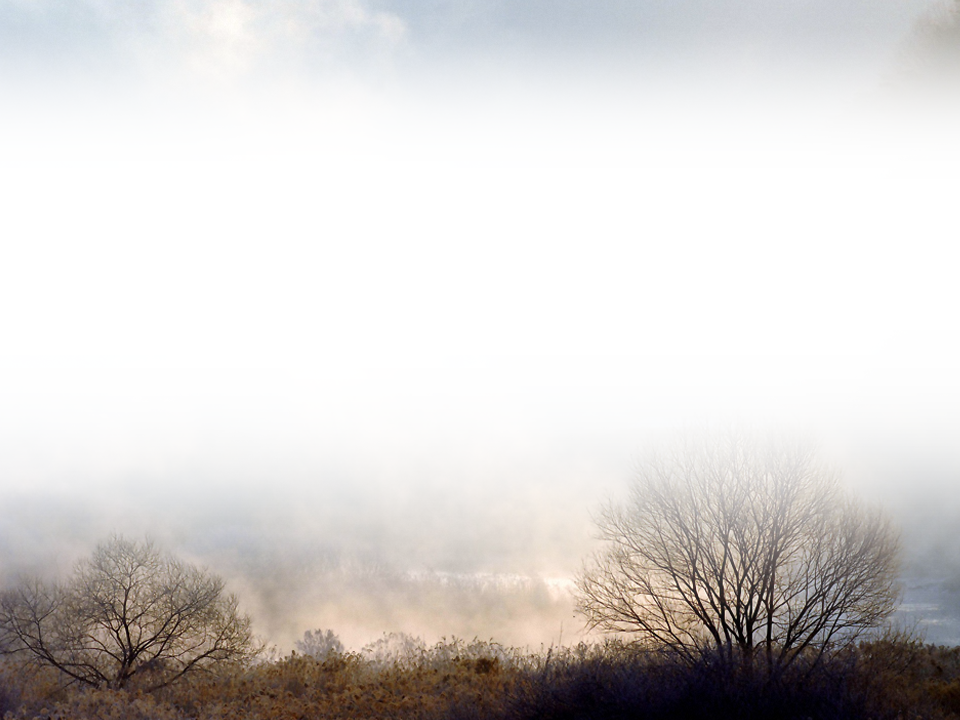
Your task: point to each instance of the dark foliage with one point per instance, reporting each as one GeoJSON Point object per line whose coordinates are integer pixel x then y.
{"type": "Point", "coordinates": [896, 676]}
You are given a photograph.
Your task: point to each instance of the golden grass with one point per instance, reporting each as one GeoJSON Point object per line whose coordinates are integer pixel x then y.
{"type": "Point", "coordinates": [897, 678]}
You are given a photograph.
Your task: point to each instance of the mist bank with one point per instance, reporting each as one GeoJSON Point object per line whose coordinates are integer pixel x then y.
{"type": "Point", "coordinates": [427, 556]}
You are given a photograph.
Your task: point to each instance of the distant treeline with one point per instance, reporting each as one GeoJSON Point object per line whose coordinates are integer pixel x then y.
{"type": "Point", "coordinates": [893, 677]}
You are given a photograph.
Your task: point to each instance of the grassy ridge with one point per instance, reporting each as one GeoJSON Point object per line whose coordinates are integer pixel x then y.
{"type": "Point", "coordinates": [891, 678]}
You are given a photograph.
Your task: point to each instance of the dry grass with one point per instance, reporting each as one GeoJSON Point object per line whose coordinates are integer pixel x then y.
{"type": "Point", "coordinates": [890, 678]}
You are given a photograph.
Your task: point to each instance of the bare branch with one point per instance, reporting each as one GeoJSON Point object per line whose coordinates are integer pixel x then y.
{"type": "Point", "coordinates": [727, 544]}
{"type": "Point", "coordinates": [129, 609]}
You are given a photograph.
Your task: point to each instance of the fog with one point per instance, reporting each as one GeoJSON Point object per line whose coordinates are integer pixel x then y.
{"type": "Point", "coordinates": [369, 308]}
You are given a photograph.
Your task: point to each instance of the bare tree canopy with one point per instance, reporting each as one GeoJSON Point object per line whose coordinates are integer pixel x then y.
{"type": "Point", "coordinates": [129, 611]}
{"type": "Point", "coordinates": [733, 546]}
{"type": "Point", "coordinates": [319, 644]}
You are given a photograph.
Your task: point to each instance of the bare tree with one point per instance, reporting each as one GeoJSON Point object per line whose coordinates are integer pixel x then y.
{"type": "Point", "coordinates": [395, 647]}
{"type": "Point", "coordinates": [129, 611]}
{"type": "Point", "coordinates": [743, 550]}
{"type": "Point", "coordinates": [319, 644]}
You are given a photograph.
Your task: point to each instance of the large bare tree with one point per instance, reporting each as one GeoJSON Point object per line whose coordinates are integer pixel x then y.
{"type": "Point", "coordinates": [747, 550]}
{"type": "Point", "coordinates": [130, 611]}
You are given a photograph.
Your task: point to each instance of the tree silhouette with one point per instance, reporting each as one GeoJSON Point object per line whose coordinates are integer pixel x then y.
{"type": "Point", "coordinates": [129, 611]}
{"type": "Point", "coordinates": [741, 550]}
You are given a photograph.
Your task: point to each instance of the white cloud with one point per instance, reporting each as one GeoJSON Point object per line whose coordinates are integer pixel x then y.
{"type": "Point", "coordinates": [239, 36]}
{"type": "Point", "coordinates": [214, 39]}
{"type": "Point", "coordinates": [220, 37]}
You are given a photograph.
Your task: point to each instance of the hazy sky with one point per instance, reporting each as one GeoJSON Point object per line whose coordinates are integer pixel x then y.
{"type": "Point", "coordinates": [416, 282]}
{"type": "Point", "coordinates": [221, 40]}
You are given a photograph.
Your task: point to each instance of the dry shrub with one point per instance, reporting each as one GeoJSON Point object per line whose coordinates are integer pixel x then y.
{"type": "Point", "coordinates": [26, 687]}
{"type": "Point", "coordinates": [901, 677]}
{"type": "Point", "coordinates": [616, 681]}
{"type": "Point", "coordinates": [452, 679]}
{"type": "Point", "coordinates": [891, 677]}
{"type": "Point", "coordinates": [89, 704]}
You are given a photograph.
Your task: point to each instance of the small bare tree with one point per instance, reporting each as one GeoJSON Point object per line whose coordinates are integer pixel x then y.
{"type": "Point", "coordinates": [395, 647]}
{"type": "Point", "coordinates": [742, 550]}
{"type": "Point", "coordinates": [319, 644]}
{"type": "Point", "coordinates": [129, 611]}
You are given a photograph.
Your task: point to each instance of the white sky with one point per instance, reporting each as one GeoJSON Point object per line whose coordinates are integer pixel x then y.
{"type": "Point", "coordinates": [503, 270]}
